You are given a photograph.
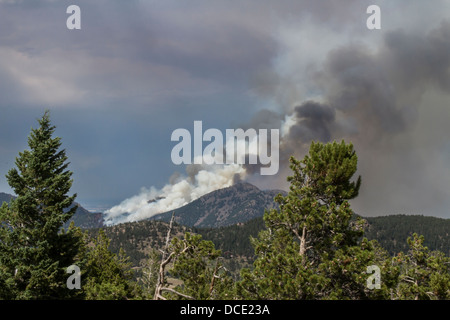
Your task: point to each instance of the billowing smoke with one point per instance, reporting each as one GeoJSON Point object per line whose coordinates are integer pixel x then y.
{"type": "Point", "coordinates": [390, 102]}
{"type": "Point", "coordinates": [199, 179]}
{"type": "Point", "coordinates": [181, 190]}
{"type": "Point", "coordinates": [387, 101]}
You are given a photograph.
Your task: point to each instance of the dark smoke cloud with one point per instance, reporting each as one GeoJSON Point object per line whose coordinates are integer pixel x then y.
{"type": "Point", "coordinates": [357, 85]}
{"type": "Point", "coordinates": [314, 122]}
{"type": "Point", "coordinates": [386, 101]}
{"type": "Point", "coordinates": [417, 61]}
{"type": "Point", "coordinates": [379, 92]}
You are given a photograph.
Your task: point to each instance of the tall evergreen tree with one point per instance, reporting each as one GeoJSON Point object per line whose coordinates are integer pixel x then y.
{"type": "Point", "coordinates": [34, 253]}
{"type": "Point", "coordinates": [310, 248]}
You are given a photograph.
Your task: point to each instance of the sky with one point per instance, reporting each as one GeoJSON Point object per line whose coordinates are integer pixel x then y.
{"type": "Point", "coordinates": [138, 70]}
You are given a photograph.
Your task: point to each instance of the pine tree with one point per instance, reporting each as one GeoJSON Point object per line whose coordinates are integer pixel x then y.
{"type": "Point", "coordinates": [107, 276]}
{"type": "Point", "coordinates": [34, 253]}
{"type": "Point", "coordinates": [424, 275]}
{"type": "Point", "coordinates": [196, 264]}
{"type": "Point", "coordinates": [311, 246]}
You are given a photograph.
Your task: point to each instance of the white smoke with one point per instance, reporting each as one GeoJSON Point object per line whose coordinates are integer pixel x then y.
{"type": "Point", "coordinates": [180, 192]}
{"type": "Point", "coordinates": [200, 179]}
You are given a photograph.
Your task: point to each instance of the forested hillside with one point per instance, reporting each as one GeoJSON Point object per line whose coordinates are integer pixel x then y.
{"type": "Point", "coordinates": [392, 231]}
{"type": "Point", "coordinates": [321, 245]}
{"type": "Point", "coordinates": [5, 197]}
{"type": "Point", "coordinates": [138, 238]}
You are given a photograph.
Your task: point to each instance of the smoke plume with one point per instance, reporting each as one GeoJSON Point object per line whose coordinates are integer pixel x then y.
{"type": "Point", "coordinates": [181, 190]}
{"type": "Point", "coordinates": [390, 102]}
{"type": "Point", "coordinates": [383, 100]}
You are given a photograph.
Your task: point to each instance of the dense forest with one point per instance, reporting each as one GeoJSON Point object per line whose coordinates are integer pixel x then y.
{"type": "Point", "coordinates": [393, 231]}
{"type": "Point", "coordinates": [311, 246]}
{"type": "Point", "coordinates": [234, 241]}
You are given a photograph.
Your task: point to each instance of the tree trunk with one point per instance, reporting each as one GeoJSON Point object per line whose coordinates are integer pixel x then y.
{"type": "Point", "coordinates": [302, 250]}
{"type": "Point", "coordinates": [164, 262]}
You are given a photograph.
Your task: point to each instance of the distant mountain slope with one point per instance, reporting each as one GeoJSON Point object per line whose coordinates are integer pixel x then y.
{"type": "Point", "coordinates": [238, 203]}
{"type": "Point", "coordinates": [86, 219]}
{"type": "Point", "coordinates": [4, 197]}
{"type": "Point", "coordinates": [393, 231]}
{"type": "Point", "coordinates": [82, 217]}
{"type": "Point", "coordinates": [138, 238]}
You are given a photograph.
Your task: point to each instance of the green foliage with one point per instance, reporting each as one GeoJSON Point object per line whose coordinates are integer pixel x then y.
{"type": "Point", "coordinates": [150, 274]}
{"type": "Point", "coordinates": [393, 231]}
{"type": "Point", "coordinates": [234, 239]}
{"type": "Point", "coordinates": [424, 275]}
{"type": "Point", "coordinates": [310, 247]}
{"type": "Point", "coordinates": [138, 238]}
{"type": "Point", "coordinates": [196, 264]}
{"type": "Point", "coordinates": [34, 253]}
{"type": "Point", "coordinates": [108, 276]}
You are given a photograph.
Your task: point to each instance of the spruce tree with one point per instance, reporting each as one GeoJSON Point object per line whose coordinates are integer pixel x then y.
{"type": "Point", "coordinates": [34, 253]}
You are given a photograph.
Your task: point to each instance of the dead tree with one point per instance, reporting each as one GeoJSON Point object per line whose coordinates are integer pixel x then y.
{"type": "Point", "coordinates": [214, 277]}
{"type": "Point", "coordinates": [165, 260]}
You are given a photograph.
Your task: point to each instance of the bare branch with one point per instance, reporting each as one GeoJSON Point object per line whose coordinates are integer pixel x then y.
{"type": "Point", "coordinates": [158, 296]}
{"type": "Point", "coordinates": [178, 293]}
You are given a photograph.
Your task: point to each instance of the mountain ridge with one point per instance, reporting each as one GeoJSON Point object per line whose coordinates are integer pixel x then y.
{"type": "Point", "coordinates": [82, 218]}
{"type": "Point", "coordinates": [223, 207]}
